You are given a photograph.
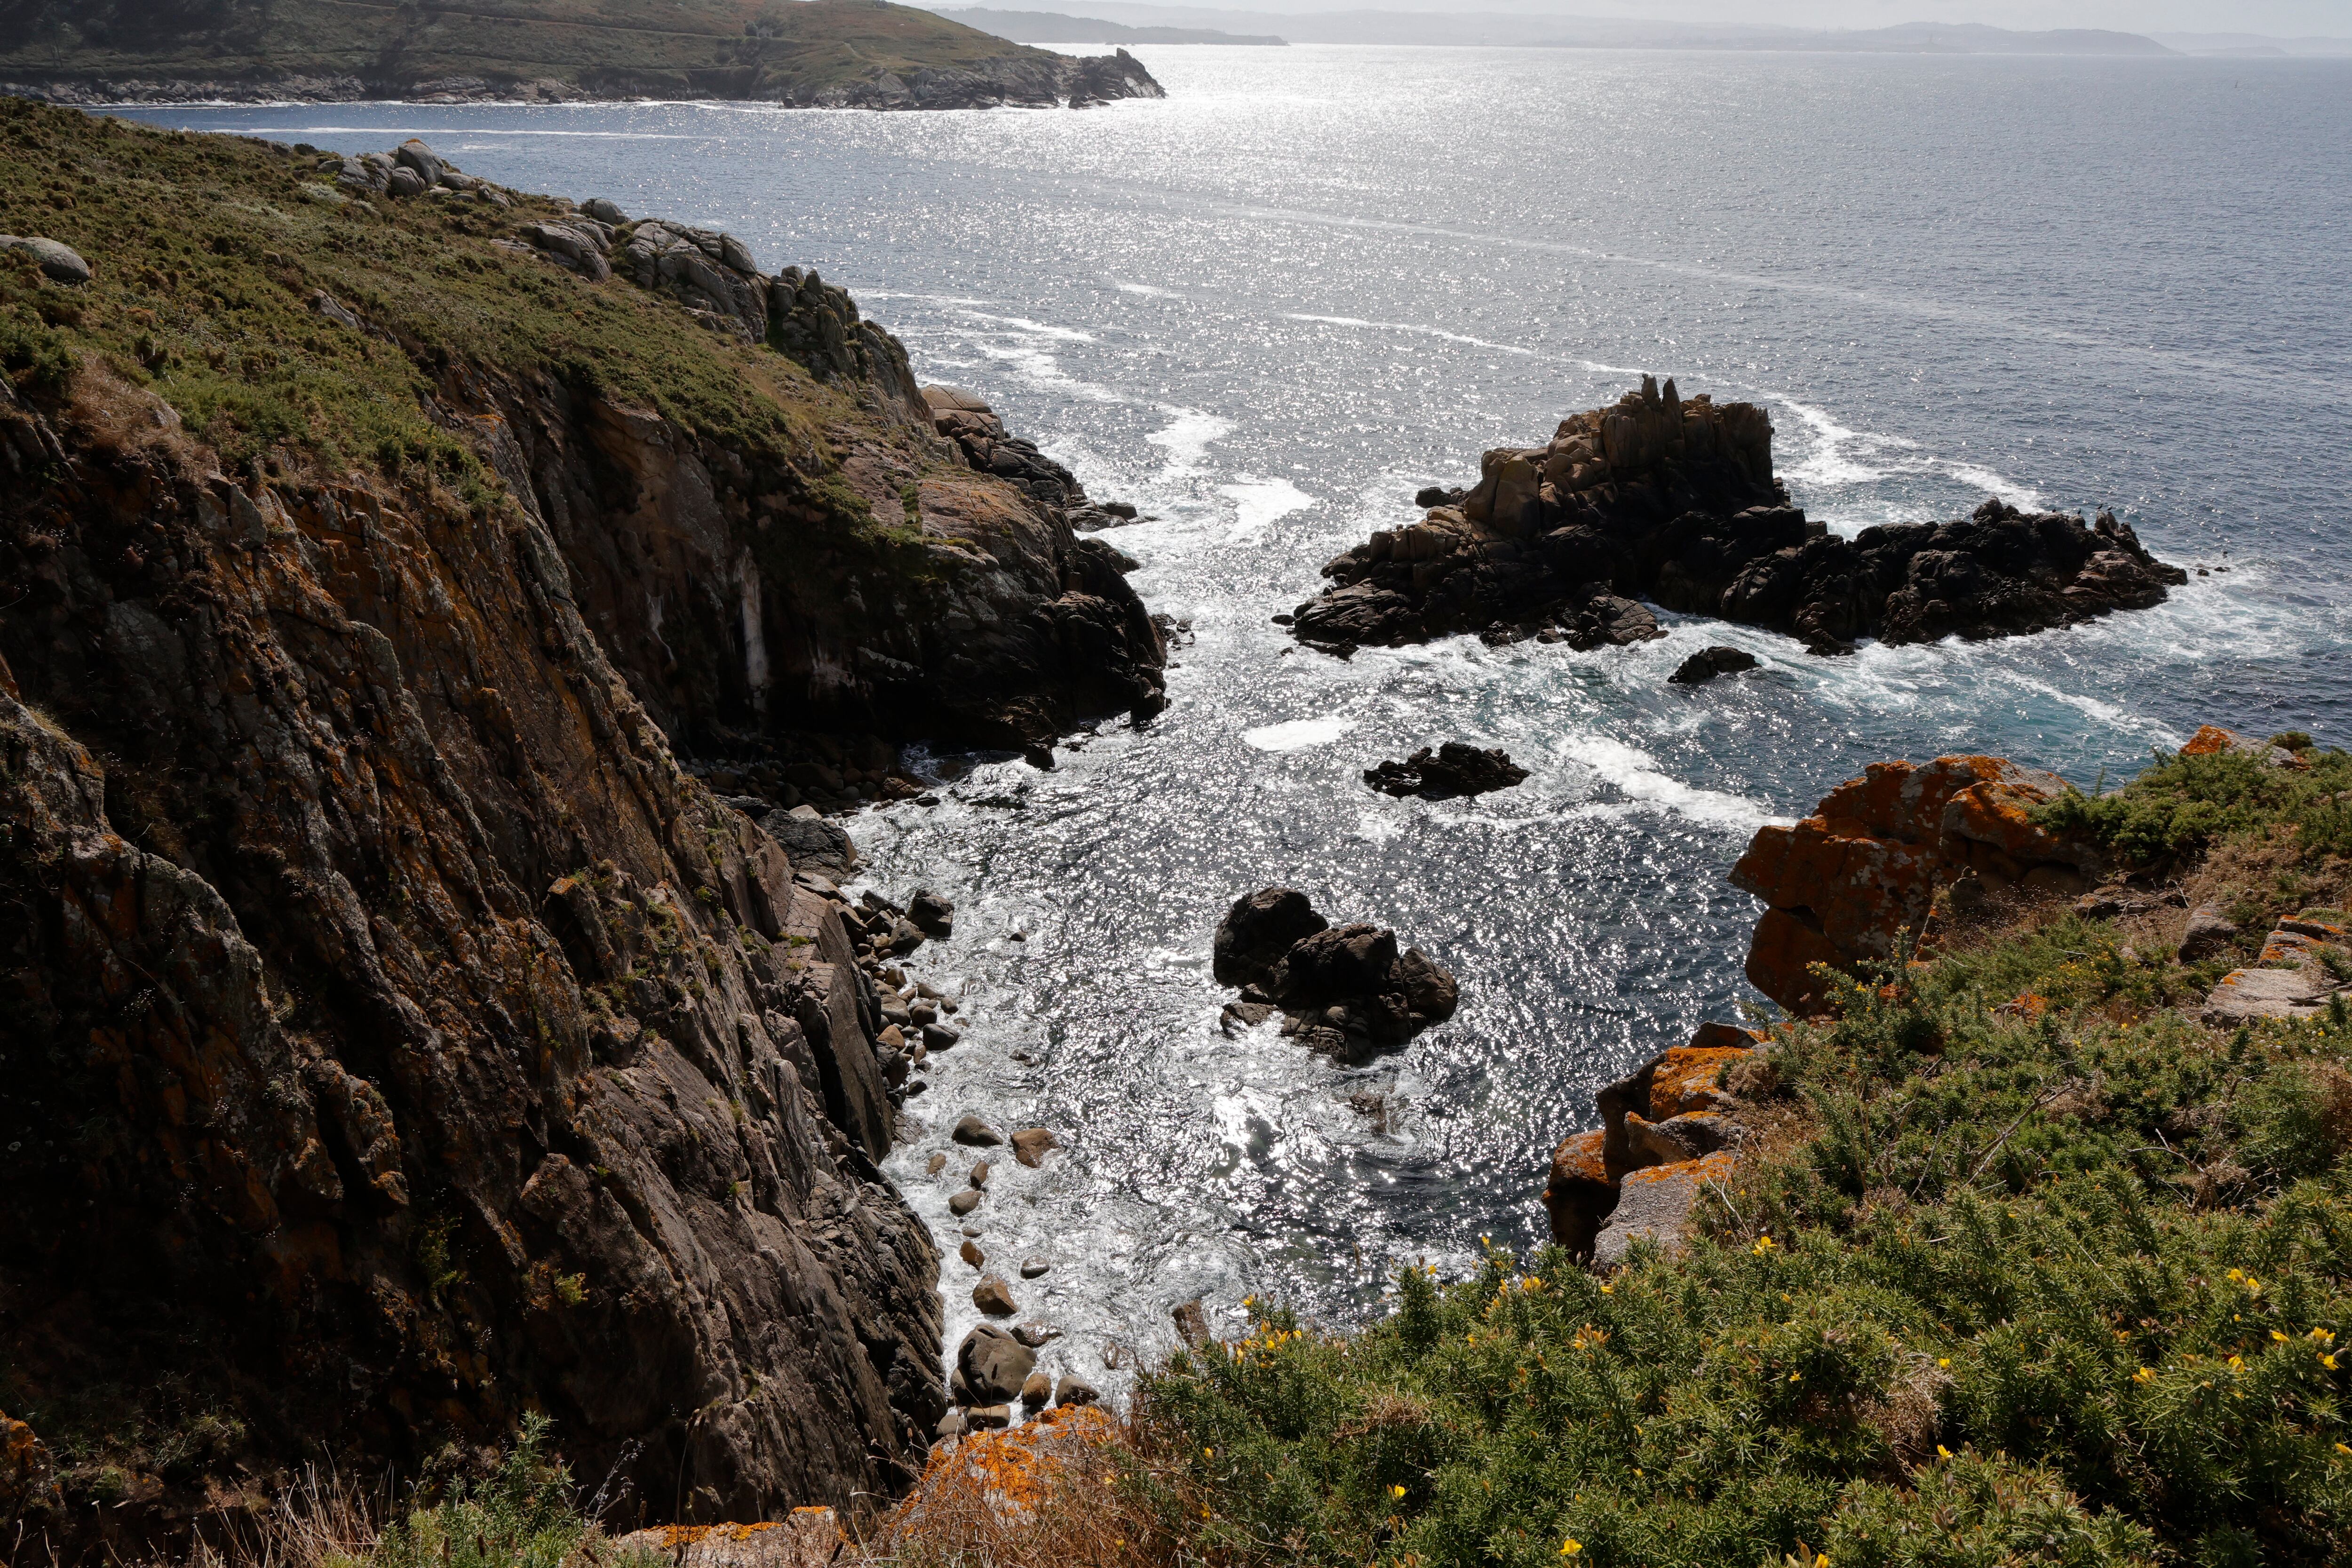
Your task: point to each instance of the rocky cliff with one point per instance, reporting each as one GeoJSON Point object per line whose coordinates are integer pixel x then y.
{"type": "Point", "coordinates": [401, 1036]}
{"type": "Point", "coordinates": [1675, 502]}
{"type": "Point", "coordinates": [829, 54]}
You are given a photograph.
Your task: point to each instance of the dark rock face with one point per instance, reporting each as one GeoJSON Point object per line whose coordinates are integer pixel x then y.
{"type": "Point", "coordinates": [1675, 502]}
{"type": "Point", "coordinates": [1346, 991]}
{"type": "Point", "coordinates": [1257, 932]}
{"type": "Point", "coordinates": [1709, 662]}
{"type": "Point", "coordinates": [1453, 769]}
{"type": "Point", "coordinates": [407, 1022]}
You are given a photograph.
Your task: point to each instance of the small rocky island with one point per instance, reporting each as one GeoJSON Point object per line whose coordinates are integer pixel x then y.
{"type": "Point", "coordinates": [1452, 770]}
{"type": "Point", "coordinates": [1675, 502]}
{"type": "Point", "coordinates": [1345, 991]}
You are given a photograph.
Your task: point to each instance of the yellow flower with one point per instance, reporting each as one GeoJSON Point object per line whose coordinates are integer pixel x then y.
{"type": "Point", "coordinates": [1607, 1289]}
{"type": "Point", "coordinates": [2237, 1360]}
{"type": "Point", "coordinates": [1208, 1453]}
{"type": "Point", "coordinates": [2280, 1337]}
{"type": "Point", "coordinates": [1396, 1492]}
{"type": "Point", "coordinates": [2328, 1362]}
{"type": "Point", "coordinates": [1941, 1450]}
{"type": "Point", "coordinates": [2235, 1274]}
{"type": "Point", "coordinates": [1572, 1546]}
{"type": "Point", "coordinates": [2342, 1449]}
{"type": "Point", "coordinates": [2143, 1375]}
{"type": "Point", "coordinates": [1943, 1361]}
{"type": "Point", "coordinates": [1763, 1245]}
{"type": "Point", "coordinates": [1796, 1377]}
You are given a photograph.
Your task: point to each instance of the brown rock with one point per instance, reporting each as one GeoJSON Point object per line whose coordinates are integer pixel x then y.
{"type": "Point", "coordinates": [991, 1365]}
{"type": "Point", "coordinates": [1191, 1323]}
{"type": "Point", "coordinates": [980, 1173]}
{"type": "Point", "coordinates": [971, 1253]}
{"type": "Point", "coordinates": [1037, 1392]}
{"type": "Point", "coordinates": [1581, 1194]}
{"type": "Point", "coordinates": [1030, 1145]}
{"type": "Point", "coordinates": [964, 1201]}
{"type": "Point", "coordinates": [994, 1297]}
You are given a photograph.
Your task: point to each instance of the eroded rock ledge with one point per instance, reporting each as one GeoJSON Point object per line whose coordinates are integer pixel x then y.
{"type": "Point", "coordinates": [1675, 502]}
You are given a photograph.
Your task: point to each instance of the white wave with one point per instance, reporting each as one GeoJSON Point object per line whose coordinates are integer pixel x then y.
{"type": "Point", "coordinates": [1186, 440]}
{"type": "Point", "coordinates": [1836, 455]}
{"type": "Point", "coordinates": [1147, 292]}
{"type": "Point", "coordinates": [1995, 485]}
{"type": "Point", "coordinates": [1298, 735]}
{"type": "Point", "coordinates": [1258, 502]}
{"type": "Point", "coordinates": [1416, 329]}
{"type": "Point", "coordinates": [1635, 774]}
{"type": "Point", "coordinates": [1037, 329]}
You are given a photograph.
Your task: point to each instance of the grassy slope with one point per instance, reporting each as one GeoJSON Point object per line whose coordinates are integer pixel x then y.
{"type": "Point", "coordinates": [803, 45]}
{"type": "Point", "coordinates": [207, 251]}
{"type": "Point", "coordinates": [2033, 1268]}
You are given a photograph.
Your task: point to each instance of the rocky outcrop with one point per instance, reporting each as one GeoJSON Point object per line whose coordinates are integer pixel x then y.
{"type": "Point", "coordinates": [1671, 501]}
{"type": "Point", "coordinates": [1345, 991]}
{"type": "Point", "coordinates": [1664, 1134]}
{"type": "Point", "coordinates": [400, 1035]}
{"type": "Point", "coordinates": [1452, 770]}
{"type": "Point", "coordinates": [1844, 885]}
{"type": "Point", "coordinates": [2304, 964]}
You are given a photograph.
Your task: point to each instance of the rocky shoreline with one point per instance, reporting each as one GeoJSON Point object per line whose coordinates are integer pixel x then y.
{"type": "Point", "coordinates": [1675, 502]}
{"type": "Point", "coordinates": [436, 984]}
{"type": "Point", "coordinates": [1038, 81]}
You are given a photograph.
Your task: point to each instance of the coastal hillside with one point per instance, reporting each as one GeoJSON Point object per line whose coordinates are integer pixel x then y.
{"type": "Point", "coordinates": [2025, 1239]}
{"type": "Point", "coordinates": [435, 616]}
{"type": "Point", "coordinates": [860, 54]}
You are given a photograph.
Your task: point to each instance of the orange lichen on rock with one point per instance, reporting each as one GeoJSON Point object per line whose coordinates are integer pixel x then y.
{"type": "Point", "coordinates": [1845, 882]}
{"type": "Point", "coordinates": [1579, 1193]}
{"type": "Point", "coordinates": [1686, 1080]}
{"type": "Point", "coordinates": [2211, 740]}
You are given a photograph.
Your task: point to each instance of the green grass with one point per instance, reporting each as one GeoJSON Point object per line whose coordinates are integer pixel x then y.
{"type": "Point", "coordinates": [2026, 1266]}
{"type": "Point", "coordinates": [208, 251]}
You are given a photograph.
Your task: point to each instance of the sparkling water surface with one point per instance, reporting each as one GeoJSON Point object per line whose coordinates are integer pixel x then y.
{"type": "Point", "coordinates": [1313, 278]}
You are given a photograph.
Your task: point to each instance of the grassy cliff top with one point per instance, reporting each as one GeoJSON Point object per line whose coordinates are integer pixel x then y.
{"type": "Point", "coordinates": [789, 49]}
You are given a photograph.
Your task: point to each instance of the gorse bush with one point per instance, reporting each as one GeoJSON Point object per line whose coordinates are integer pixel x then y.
{"type": "Point", "coordinates": [526, 1515]}
{"type": "Point", "coordinates": [2182, 805]}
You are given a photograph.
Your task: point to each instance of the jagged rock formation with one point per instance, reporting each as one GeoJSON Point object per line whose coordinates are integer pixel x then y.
{"type": "Point", "coordinates": [1345, 991]}
{"type": "Point", "coordinates": [1844, 884]}
{"type": "Point", "coordinates": [829, 54]}
{"type": "Point", "coordinates": [1452, 769]}
{"type": "Point", "coordinates": [399, 1037]}
{"type": "Point", "coordinates": [1664, 1134]}
{"type": "Point", "coordinates": [1675, 502]}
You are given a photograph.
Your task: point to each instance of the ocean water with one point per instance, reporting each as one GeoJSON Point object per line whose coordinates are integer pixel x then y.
{"type": "Point", "coordinates": [1315, 278]}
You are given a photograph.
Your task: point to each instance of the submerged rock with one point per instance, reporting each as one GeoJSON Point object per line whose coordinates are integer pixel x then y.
{"type": "Point", "coordinates": [1709, 662]}
{"type": "Point", "coordinates": [1675, 502]}
{"type": "Point", "coordinates": [1452, 769]}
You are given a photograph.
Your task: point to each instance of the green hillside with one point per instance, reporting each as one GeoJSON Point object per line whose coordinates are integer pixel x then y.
{"type": "Point", "coordinates": [788, 51]}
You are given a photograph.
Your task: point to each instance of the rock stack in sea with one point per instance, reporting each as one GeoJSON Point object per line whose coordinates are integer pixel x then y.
{"type": "Point", "coordinates": [1345, 991]}
{"type": "Point", "coordinates": [1449, 770]}
{"type": "Point", "coordinates": [1674, 500]}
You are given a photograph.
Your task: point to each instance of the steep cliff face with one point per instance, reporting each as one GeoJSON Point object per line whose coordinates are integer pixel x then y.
{"type": "Point", "coordinates": [399, 1038]}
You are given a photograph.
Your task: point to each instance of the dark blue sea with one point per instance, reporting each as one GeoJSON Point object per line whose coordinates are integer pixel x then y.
{"type": "Point", "coordinates": [1316, 278]}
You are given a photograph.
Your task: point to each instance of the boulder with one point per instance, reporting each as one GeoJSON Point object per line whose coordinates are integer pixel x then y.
{"type": "Point", "coordinates": [1034, 1267]}
{"type": "Point", "coordinates": [813, 843]}
{"type": "Point", "coordinates": [1036, 1390]}
{"type": "Point", "coordinates": [2292, 978]}
{"type": "Point", "coordinates": [991, 1365]}
{"type": "Point", "coordinates": [930, 913]}
{"type": "Point", "coordinates": [58, 262]}
{"type": "Point", "coordinates": [980, 1171]}
{"type": "Point", "coordinates": [975, 1133]}
{"type": "Point", "coordinates": [1257, 932]}
{"type": "Point", "coordinates": [1452, 769]}
{"type": "Point", "coordinates": [604, 211]}
{"type": "Point", "coordinates": [1030, 1145]}
{"type": "Point", "coordinates": [2209, 935]}
{"type": "Point", "coordinates": [805, 1538]}
{"type": "Point", "coordinates": [1709, 662]}
{"type": "Point", "coordinates": [1192, 1322]}
{"type": "Point", "coordinates": [1655, 1204]}
{"type": "Point", "coordinates": [1579, 1193]}
{"type": "Point", "coordinates": [1845, 883]}
{"type": "Point", "coordinates": [1073, 1390]}
{"type": "Point", "coordinates": [994, 1297]}
{"type": "Point", "coordinates": [964, 1201]}
{"type": "Point", "coordinates": [971, 1253]}
{"type": "Point", "coordinates": [990, 1417]}
{"type": "Point", "coordinates": [405, 182]}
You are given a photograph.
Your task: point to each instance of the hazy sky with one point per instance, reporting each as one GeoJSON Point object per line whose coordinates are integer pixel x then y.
{"type": "Point", "coordinates": [2281, 18]}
